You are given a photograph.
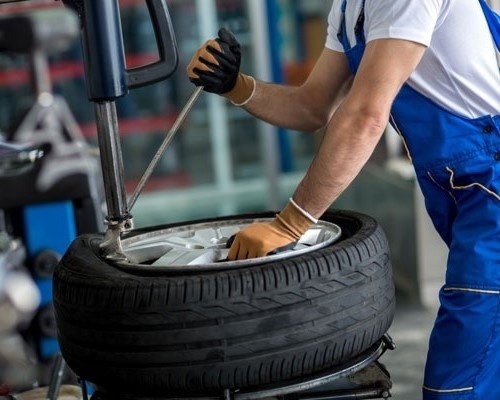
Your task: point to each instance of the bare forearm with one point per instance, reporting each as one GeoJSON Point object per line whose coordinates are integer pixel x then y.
{"type": "Point", "coordinates": [359, 122]}
{"type": "Point", "coordinates": [307, 107]}
{"type": "Point", "coordinates": [347, 146]}
{"type": "Point", "coordinates": [283, 106]}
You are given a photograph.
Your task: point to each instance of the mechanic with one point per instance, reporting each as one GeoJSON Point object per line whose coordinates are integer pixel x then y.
{"type": "Point", "coordinates": [428, 67]}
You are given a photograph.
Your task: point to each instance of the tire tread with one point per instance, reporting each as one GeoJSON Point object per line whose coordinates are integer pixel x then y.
{"type": "Point", "coordinates": [187, 333]}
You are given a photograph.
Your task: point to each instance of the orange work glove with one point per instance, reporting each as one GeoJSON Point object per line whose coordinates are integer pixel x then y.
{"type": "Point", "coordinates": [216, 67]}
{"type": "Point", "coordinates": [262, 238]}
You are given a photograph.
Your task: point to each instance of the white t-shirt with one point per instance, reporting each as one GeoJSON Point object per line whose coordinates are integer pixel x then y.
{"type": "Point", "coordinates": [459, 69]}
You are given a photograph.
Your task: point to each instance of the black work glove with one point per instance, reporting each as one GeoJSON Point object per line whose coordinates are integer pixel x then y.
{"type": "Point", "coordinates": [216, 67]}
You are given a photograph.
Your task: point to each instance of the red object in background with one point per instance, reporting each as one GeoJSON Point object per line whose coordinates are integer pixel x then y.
{"type": "Point", "coordinates": [4, 389]}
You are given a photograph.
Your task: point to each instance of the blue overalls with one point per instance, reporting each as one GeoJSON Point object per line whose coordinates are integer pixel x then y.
{"type": "Point", "coordinates": [457, 164]}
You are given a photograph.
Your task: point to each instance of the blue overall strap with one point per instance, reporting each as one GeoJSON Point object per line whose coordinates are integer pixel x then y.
{"type": "Point", "coordinates": [342, 33]}
{"type": "Point", "coordinates": [493, 19]}
{"type": "Point", "coordinates": [358, 29]}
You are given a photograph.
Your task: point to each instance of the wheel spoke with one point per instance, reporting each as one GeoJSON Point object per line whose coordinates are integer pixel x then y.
{"type": "Point", "coordinates": [176, 257]}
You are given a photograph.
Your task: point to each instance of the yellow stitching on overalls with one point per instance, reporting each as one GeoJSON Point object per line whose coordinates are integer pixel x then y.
{"type": "Point", "coordinates": [396, 128]}
{"type": "Point", "coordinates": [467, 389]}
{"type": "Point", "coordinates": [441, 187]}
{"type": "Point", "coordinates": [452, 175]}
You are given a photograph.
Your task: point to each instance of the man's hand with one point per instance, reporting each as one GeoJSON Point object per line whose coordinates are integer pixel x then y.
{"type": "Point", "coordinates": [262, 238]}
{"type": "Point", "coordinates": [216, 67]}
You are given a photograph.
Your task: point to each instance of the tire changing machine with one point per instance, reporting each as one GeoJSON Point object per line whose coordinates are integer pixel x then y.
{"type": "Point", "coordinates": [108, 79]}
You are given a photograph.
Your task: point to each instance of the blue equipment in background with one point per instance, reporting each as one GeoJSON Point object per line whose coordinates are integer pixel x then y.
{"type": "Point", "coordinates": [50, 179]}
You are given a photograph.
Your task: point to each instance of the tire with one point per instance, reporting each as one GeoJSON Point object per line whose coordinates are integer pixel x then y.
{"type": "Point", "coordinates": [198, 332]}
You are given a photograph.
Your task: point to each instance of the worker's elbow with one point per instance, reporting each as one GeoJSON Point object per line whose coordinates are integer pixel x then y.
{"type": "Point", "coordinates": [374, 124]}
{"type": "Point", "coordinates": [369, 121]}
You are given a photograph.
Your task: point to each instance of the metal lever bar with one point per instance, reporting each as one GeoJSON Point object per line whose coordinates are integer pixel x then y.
{"type": "Point", "coordinates": [56, 378]}
{"type": "Point", "coordinates": [112, 161]}
{"type": "Point", "coordinates": [170, 135]}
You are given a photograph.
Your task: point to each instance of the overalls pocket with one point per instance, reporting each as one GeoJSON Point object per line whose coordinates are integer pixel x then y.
{"type": "Point", "coordinates": [480, 173]}
{"type": "Point", "coordinates": [473, 226]}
